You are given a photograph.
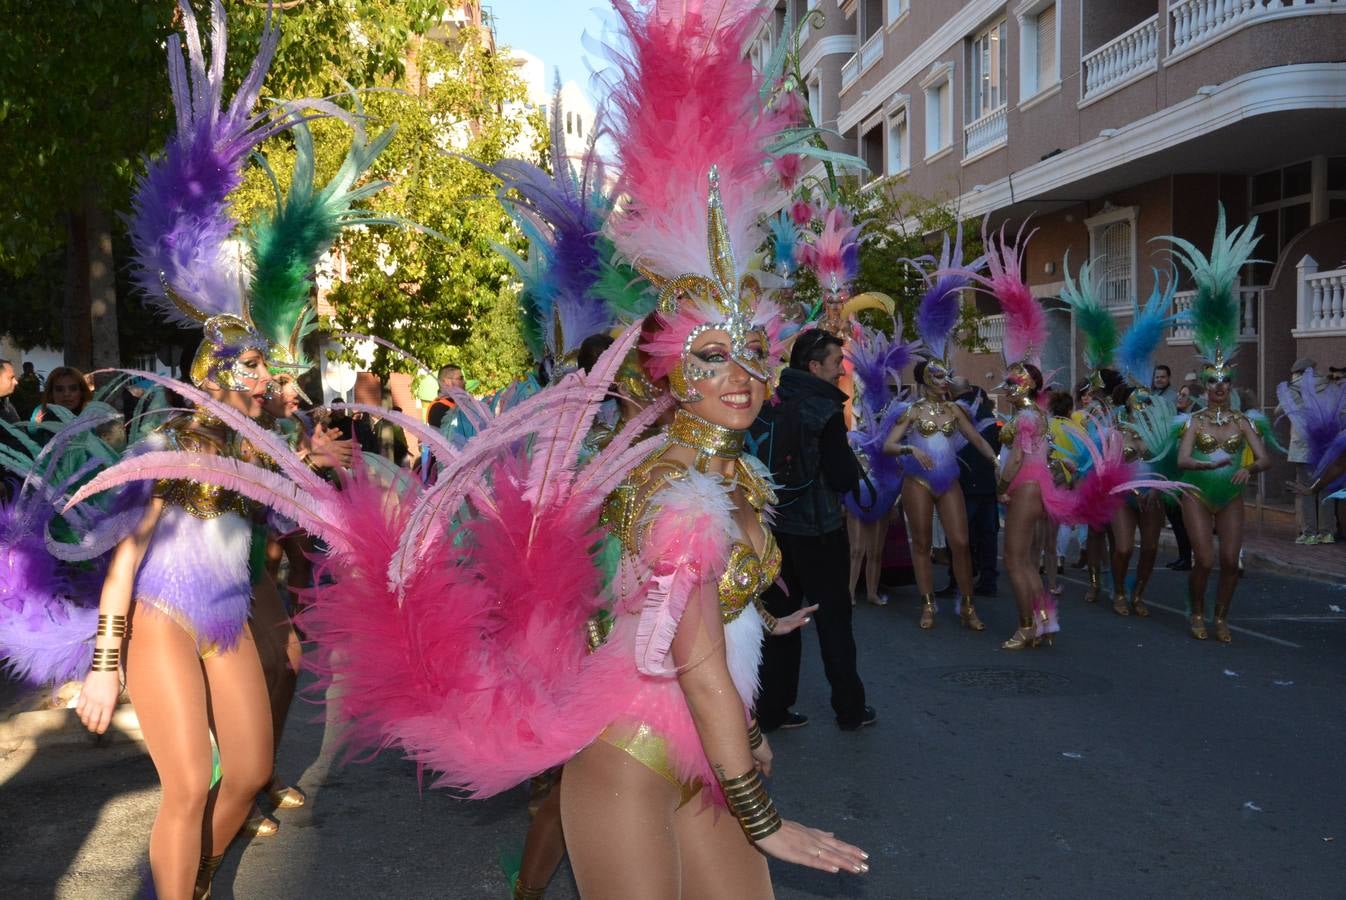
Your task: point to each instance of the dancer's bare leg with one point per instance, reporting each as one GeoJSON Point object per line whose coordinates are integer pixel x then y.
{"type": "Point", "coordinates": [1200, 530]}
{"type": "Point", "coordinates": [1151, 527]}
{"type": "Point", "coordinates": [1022, 516]}
{"type": "Point", "coordinates": [164, 678]}
{"type": "Point", "coordinates": [618, 820]}
{"type": "Point", "coordinates": [877, 534]}
{"type": "Point", "coordinates": [545, 846]}
{"type": "Point", "coordinates": [953, 516]}
{"type": "Point", "coordinates": [718, 862]}
{"type": "Point", "coordinates": [919, 506]}
{"type": "Point", "coordinates": [240, 716]}
{"type": "Point", "coordinates": [1229, 522]}
{"type": "Point", "coordinates": [1124, 523]}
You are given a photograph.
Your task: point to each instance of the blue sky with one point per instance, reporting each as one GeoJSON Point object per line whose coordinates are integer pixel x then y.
{"type": "Point", "coordinates": [551, 30]}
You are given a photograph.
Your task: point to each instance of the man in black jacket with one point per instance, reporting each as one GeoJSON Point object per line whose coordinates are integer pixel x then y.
{"type": "Point", "coordinates": [814, 466]}
{"type": "Point", "coordinates": [977, 478]}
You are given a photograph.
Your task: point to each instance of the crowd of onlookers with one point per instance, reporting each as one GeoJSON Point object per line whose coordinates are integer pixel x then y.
{"type": "Point", "coordinates": [1317, 520]}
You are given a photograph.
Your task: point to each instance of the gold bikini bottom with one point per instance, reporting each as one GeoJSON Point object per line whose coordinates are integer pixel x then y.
{"type": "Point", "coordinates": [647, 747]}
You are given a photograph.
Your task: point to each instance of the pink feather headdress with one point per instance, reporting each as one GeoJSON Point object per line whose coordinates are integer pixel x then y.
{"type": "Point", "coordinates": [692, 134]}
{"type": "Point", "coordinates": [1025, 320]}
{"type": "Point", "coordinates": [834, 254]}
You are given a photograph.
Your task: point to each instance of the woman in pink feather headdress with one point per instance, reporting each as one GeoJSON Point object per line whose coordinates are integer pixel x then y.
{"type": "Point", "coordinates": [1025, 477]}
{"type": "Point", "coordinates": [690, 518]}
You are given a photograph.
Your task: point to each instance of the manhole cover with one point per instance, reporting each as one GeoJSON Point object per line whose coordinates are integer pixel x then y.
{"type": "Point", "coordinates": [1007, 682]}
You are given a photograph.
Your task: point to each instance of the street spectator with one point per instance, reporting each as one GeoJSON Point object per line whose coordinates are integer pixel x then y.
{"type": "Point", "coordinates": [810, 530]}
{"type": "Point", "coordinates": [1060, 407]}
{"type": "Point", "coordinates": [1309, 518]}
{"type": "Point", "coordinates": [67, 387]}
{"type": "Point", "coordinates": [28, 394]}
{"type": "Point", "coordinates": [1161, 382]}
{"type": "Point", "coordinates": [450, 379]}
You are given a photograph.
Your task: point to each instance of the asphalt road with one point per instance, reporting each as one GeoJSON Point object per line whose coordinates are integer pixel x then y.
{"type": "Point", "coordinates": [1126, 761]}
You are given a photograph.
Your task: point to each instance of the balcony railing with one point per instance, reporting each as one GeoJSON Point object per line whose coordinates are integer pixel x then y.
{"type": "Point", "coordinates": [987, 132]}
{"type": "Point", "coordinates": [1124, 57]}
{"type": "Point", "coordinates": [850, 70]}
{"type": "Point", "coordinates": [991, 330]}
{"type": "Point", "coordinates": [1194, 22]}
{"type": "Point", "coordinates": [1322, 300]}
{"type": "Point", "coordinates": [1250, 300]}
{"type": "Point", "coordinates": [872, 51]}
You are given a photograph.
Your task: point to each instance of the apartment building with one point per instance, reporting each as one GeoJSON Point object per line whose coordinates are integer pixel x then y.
{"type": "Point", "coordinates": [1104, 124]}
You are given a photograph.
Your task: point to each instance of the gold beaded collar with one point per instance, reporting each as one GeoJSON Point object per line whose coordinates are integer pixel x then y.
{"type": "Point", "coordinates": [706, 438]}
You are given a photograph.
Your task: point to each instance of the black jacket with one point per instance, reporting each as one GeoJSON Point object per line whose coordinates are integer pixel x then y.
{"type": "Point", "coordinates": [829, 468]}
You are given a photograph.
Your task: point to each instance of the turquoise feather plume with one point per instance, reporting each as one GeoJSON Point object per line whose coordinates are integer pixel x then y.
{"type": "Point", "coordinates": [287, 244]}
{"type": "Point", "coordinates": [1135, 352]}
{"type": "Point", "coordinates": [1215, 309]}
{"type": "Point", "coordinates": [1093, 318]}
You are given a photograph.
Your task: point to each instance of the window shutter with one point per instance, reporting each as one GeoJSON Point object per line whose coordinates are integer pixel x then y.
{"type": "Point", "coordinates": [1047, 47]}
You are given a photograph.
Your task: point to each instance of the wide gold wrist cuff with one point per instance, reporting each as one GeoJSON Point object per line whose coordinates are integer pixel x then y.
{"type": "Point", "coordinates": [112, 626]}
{"type": "Point", "coordinates": [748, 801]}
{"type": "Point", "coordinates": [754, 735]}
{"type": "Point", "coordinates": [106, 659]}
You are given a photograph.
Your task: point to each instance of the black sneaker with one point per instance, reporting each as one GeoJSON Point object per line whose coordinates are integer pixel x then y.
{"type": "Point", "coordinates": [868, 717]}
{"type": "Point", "coordinates": [794, 720]}
{"type": "Point", "coordinates": [984, 590]}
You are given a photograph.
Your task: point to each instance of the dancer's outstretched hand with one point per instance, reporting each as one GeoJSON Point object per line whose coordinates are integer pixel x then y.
{"type": "Point", "coordinates": [97, 700]}
{"type": "Point", "coordinates": [796, 843]}
{"type": "Point", "coordinates": [922, 458]}
{"type": "Point", "coordinates": [794, 621]}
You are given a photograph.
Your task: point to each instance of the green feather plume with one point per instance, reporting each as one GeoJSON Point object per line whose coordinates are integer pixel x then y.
{"type": "Point", "coordinates": [1093, 318]}
{"type": "Point", "coordinates": [287, 244]}
{"type": "Point", "coordinates": [1215, 309]}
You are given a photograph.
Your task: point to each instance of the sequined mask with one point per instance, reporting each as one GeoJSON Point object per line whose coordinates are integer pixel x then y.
{"type": "Point", "coordinates": [937, 373]}
{"type": "Point", "coordinates": [226, 339]}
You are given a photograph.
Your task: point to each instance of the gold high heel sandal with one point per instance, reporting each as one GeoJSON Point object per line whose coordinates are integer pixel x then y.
{"type": "Point", "coordinates": [1095, 589]}
{"type": "Point", "coordinates": [1044, 636]}
{"type": "Point", "coordinates": [1221, 626]}
{"type": "Point", "coordinates": [205, 875]}
{"type": "Point", "coordinates": [1025, 637]}
{"type": "Point", "coordinates": [928, 611]}
{"type": "Point", "coordinates": [1138, 603]}
{"type": "Point", "coordinates": [1119, 603]}
{"type": "Point", "coordinates": [967, 616]}
{"type": "Point", "coordinates": [526, 893]}
{"type": "Point", "coordinates": [259, 824]}
{"type": "Point", "coordinates": [285, 797]}
{"type": "Point", "coordinates": [1196, 625]}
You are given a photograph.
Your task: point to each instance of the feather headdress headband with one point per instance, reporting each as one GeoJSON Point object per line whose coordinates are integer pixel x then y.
{"type": "Point", "coordinates": [692, 134]}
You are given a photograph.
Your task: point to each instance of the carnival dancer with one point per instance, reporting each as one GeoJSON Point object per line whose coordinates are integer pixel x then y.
{"type": "Point", "coordinates": [876, 362]}
{"type": "Point", "coordinates": [1318, 410]}
{"type": "Point", "coordinates": [1145, 420]}
{"type": "Point", "coordinates": [928, 436]}
{"type": "Point", "coordinates": [1216, 443]}
{"type": "Point", "coordinates": [176, 597]}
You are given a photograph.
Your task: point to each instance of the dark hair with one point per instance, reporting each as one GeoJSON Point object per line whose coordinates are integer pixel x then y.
{"type": "Point", "coordinates": [48, 392]}
{"type": "Point", "coordinates": [918, 373]}
{"type": "Point", "coordinates": [591, 348]}
{"type": "Point", "coordinates": [1167, 370]}
{"type": "Point", "coordinates": [1111, 378]}
{"type": "Point", "coordinates": [449, 367]}
{"type": "Point", "coordinates": [812, 346]}
{"type": "Point", "coordinates": [1122, 394]}
{"type": "Point", "coordinates": [1060, 404]}
{"type": "Point", "coordinates": [1036, 375]}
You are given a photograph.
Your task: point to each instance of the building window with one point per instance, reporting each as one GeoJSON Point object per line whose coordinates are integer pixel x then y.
{"type": "Point", "coordinates": [570, 123]}
{"type": "Point", "coordinates": [986, 72]}
{"type": "Point", "coordinates": [814, 91]}
{"type": "Point", "coordinates": [1282, 200]}
{"type": "Point", "coordinates": [871, 151]}
{"type": "Point", "coordinates": [895, 9]}
{"type": "Point", "coordinates": [899, 152]}
{"type": "Point", "coordinates": [1112, 242]}
{"type": "Point", "coordinates": [871, 19]}
{"type": "Point", "coordinates": [579, 125]}
{"type": "Point", "coordinates": [938, 107]}
{"type": "Point", "coordinates": [1039, 43]}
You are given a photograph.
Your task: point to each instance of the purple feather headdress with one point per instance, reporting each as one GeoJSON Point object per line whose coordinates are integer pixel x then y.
{"type": "Point", "coordinates": [937, 313]}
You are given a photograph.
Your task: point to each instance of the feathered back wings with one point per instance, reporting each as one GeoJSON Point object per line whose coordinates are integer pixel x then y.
{"type": "Point", "coordinates": [1135, 352]}
{"type": "Point", "coordinates": [937, 311]}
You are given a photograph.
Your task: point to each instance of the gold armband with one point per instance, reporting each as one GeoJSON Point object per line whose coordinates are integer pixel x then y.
{"type": "Point", "coordinates": [754, 735]}
{"type": "Point", "coordinates": [106, 659]}
{"type": "Point", "coordinates": [749, 803]}
{"type": "Point", "coordinates": [903, 450]}
{"type": "Point", "coordinates": [769, 622]}
{"type": "Point", "coordinates": [112, 626]}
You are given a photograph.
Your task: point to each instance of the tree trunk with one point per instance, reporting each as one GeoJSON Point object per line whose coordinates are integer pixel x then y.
{"type": "Point", "coordinates": [91, 291]}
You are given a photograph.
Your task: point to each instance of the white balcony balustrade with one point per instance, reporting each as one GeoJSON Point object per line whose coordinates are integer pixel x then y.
{"type": "Point", "coordinates": [1194, 22]}
{"type": "Point", "coordinates": [989, 131]}
{"type": "Point", "coordinates": [850, 70]}
{"type": "Point", "coordinates": [1322, 300]}
{"type": "Point", "coordinates": [1250, 302]}
{"type": "Point", "coordinates": [991, 330]}
{"type": "Point", "coordinates": [1129, 55]}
